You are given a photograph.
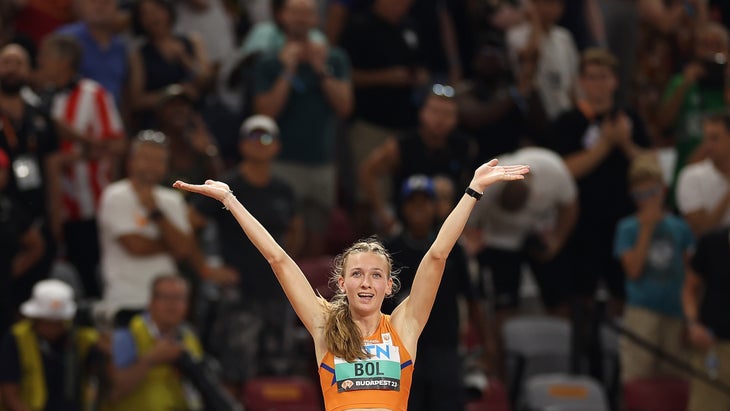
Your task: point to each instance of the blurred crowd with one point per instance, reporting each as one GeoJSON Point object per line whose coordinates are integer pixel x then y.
{"type": "Point", "coordinates": [333, 120]}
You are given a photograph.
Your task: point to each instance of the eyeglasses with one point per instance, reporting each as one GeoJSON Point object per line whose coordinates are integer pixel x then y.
{"type": "Point", "coordinates": [442, 90]}
{"type": "Point", "coordinates": [152, 136]}
{"type": "Point", "coordinates": [647, 193]}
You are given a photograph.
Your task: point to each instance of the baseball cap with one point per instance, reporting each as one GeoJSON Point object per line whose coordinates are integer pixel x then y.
{"type": "Point", "coordinates": [4, 160]}
{"type": "Point", "coordinates": [259, 122]}
{"type": "Point", "coordinates": [417, 183]}
{"type": "Point", "coordinates": [51, 300]}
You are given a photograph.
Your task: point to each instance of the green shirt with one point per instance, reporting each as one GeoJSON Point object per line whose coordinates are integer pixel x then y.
{"type": "Point", "coordinates": [688, 122]}
{"type": "Point", "coordinates": [307, 123]}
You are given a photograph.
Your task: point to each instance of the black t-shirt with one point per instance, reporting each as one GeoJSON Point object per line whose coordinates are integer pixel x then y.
{"type": "Point", "coordinates": [274, 207]}
{"type": "Point", "coordinates": [14, 223]}
{"type": "Point", "coordinates": [27, 144]}
{"type": "Point", "coordinates": [453, 160]}
{"type": "Point", "coordinates": [711, 261]}
{"type": "Point", "coordinates": [374, 44]}
{"type": "Point", "coordinates": [603, 193]}
{"type": "Point", "coordinates": [442, 328]}
{"type": "Point", "coordinates": [53, 358]}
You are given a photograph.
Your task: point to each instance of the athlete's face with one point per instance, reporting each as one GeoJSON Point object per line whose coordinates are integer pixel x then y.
{"type": "Point", "coordinates": [366, 281]}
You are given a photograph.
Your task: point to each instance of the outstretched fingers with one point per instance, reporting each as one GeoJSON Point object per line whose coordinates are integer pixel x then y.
{"type": "Point", "coordinates": [211, 188]}
{"type": "Point", "coordinates": [519, 169]}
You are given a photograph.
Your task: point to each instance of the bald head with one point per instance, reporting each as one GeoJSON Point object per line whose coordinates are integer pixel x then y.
{"type": "Point", "coordinates": [14, 68]}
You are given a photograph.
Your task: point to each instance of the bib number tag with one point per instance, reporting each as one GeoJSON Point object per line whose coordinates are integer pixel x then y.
{"type": "Point", "coordinates": [379, 372]}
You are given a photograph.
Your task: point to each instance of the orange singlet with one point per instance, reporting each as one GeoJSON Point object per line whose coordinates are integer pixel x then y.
{"type": "Point", "coordinates": [381, 381]}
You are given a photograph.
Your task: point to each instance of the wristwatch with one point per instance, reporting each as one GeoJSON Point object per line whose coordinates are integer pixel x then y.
{"type": "Point", "coordinates": [474, 193]}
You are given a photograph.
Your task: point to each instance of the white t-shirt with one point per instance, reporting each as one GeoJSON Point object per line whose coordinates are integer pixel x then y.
{"type": "Point", "coordinates": [557, 68]}
{"type": "Point", "coordinates": [214, 26]}
{"type": "Point", "coordinates": [701, 187]}
{"type": "Point", "coordinates": [551, 186]}
{"type": "Point", "coordinates": [127, 278]}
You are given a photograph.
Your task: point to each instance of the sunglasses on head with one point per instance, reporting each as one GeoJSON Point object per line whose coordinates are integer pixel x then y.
{"type": "Point", "coordinates": [443, 90]}
{"type": "Point", "coordinates": [647, 193]}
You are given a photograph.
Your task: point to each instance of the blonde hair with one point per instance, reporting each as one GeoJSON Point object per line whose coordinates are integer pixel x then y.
{"type": "Point", "coordinates": [645, 167]}
{"type": "Point", "coordinates": [342, 335]}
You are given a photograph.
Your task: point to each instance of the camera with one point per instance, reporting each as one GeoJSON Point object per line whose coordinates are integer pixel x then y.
{"type": "Point", "coordinates": [714, 77]}
{"type": "Point", "coordinates": [206, 381]}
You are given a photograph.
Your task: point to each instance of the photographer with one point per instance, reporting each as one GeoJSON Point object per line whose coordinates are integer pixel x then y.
{"type": "Point", "coordinates": [158, 358]}
{"type": "Point", "coordinates": [700, 88]}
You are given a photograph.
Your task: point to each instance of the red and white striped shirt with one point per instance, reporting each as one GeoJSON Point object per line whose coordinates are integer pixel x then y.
{"type": "Point", "coordinates": [88, 109]}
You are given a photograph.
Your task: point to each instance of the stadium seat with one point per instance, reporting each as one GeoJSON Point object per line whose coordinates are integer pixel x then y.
{"type": "Point", "coordinates": [281, 394]}
{"type": "Point", "coordinates": [656, 394]}
{"type": "Point", "coordinates": [534, 345]}
{"type": "Point", "coordinates": [564, 392]}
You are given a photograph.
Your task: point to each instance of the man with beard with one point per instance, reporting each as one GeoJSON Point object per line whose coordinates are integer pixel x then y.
{"type": "Point", "coordinates": [28, 137]}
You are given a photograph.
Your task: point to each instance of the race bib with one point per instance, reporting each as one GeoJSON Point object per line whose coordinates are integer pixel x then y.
{"type": "Point", "coordinates": [379, 372]}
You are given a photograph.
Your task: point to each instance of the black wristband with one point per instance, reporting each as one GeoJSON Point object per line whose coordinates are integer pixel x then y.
{"type": "Point", "coordinates": [474, 193]}
{"type": "Point", "coordinates": [155, 215]}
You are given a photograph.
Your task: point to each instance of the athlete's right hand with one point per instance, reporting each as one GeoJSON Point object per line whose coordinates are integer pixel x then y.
{"type": "Point", "coordinates": [164, 351]}
{"type": "Point", "coordinates": [213, 189]}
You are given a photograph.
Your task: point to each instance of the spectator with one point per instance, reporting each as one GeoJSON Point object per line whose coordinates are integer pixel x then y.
{"type": "Point", "coordinates": [698, 90]}
{"type": "Point", "coordinates": [47, 361]}
{"type": "Point", "coordinates": [193, 150]}
{"type": "Point", "coordinates": [268, 36]}
{"type": "Point", "coordinates": [597, 141]}
{"type": "Point", "coordinates": [388, 71]}
{"type": "Point", "coordinates": [503, 112]}
{"type": "Point", "coordinates": [21, 245]}
{"type": "Point", "coordinates": [440, 46]}
{"type": "Point", "coordinates": [703, 190]}
{"type": "Point", "coordinates": [28, 136]}
{"type": "Point", "coordinates": [623, 20]}
{"type": "Point", "coordinates": [143, 227]}
{"type": "Point", "coordinates": [163, 58]}
{"type": "Point", "coordinates": [104, 57]}
{"type": "Point", "coordinates": [211, 21]}
{"type": "Point", "coordinates": [92, 147]}
{"type": "Point", "coordinates": [306, 87]}
{"type": "Point", "coordinates": [541, 40]}
{"type": "Point", "coordinates": [437, 381]}
{"type": "Point", "coordinates": [653, 246]}
{"type": "Point", "coordinates": [704, 298]}
{"type": "Point", "coordinates": [144, 374]}
{"type": "Point", "coordinates": [261, 305]}
{"type": "Point", "coordinates": [435, 147]}
{"type": "Point", "coordinates": [528, 223]}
